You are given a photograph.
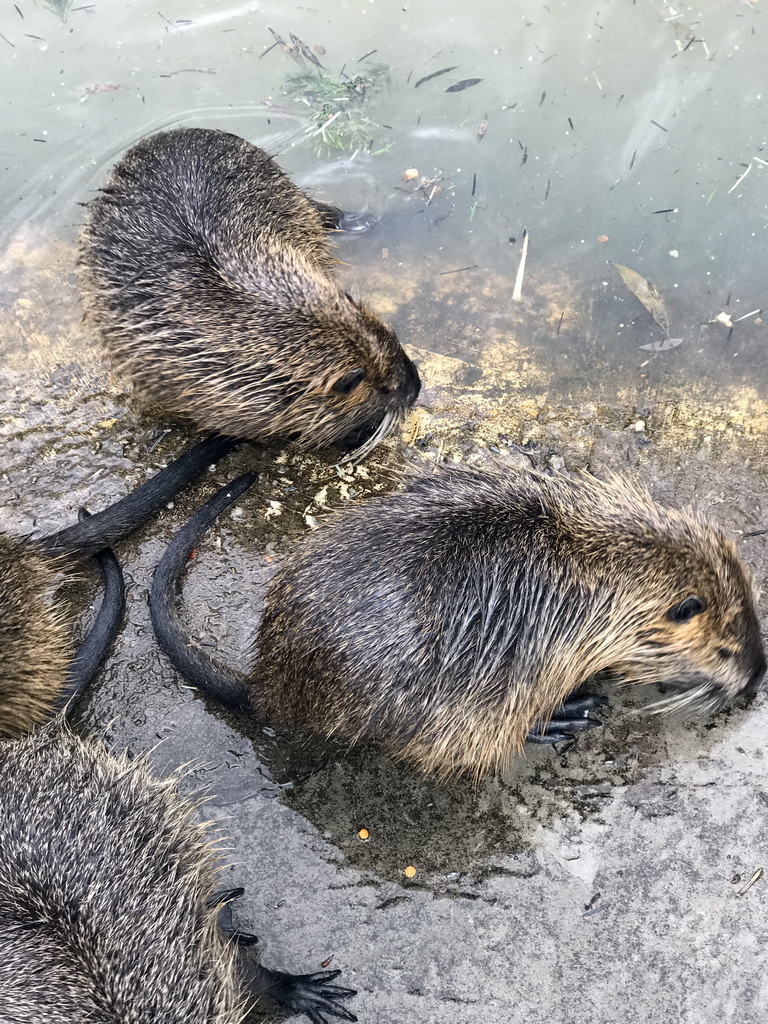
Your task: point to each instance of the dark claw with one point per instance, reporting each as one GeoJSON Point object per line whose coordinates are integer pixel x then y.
{"type": "Point", "coordinates": [571, 717]}
{"type": "Point", "coordinates": [579, 705]}
{"type": "Point", "coordinates": [321, 976]}
{"type": "Point", "coordinates": [554, 737]}
{"type": "Point", "coordinates": [311, 994]}
{"type": "Point", "coordinates": [243, 938]}
{"type": "Point", "coordinates": [572, 724]}
{"type": "Point", "coordinates": [224, 896]}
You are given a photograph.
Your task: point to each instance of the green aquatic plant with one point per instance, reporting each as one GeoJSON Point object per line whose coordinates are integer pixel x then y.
{"type": "Point", "coordinates": [337, 119]}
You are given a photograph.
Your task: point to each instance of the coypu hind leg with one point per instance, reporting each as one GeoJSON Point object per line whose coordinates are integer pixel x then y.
{"type": "Point", "coordinates": [94, 647]}
{"type": "Point", "coordinates": [571, 717]}
{"type": "Point", "coordinates": [312, 994]}
{"type": "Point", "coordinates": [106, 905]}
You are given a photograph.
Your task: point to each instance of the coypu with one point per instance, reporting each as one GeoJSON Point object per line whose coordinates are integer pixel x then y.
{"type": "Point", "coordinates": [209, 275]}
{"type": "Point", "coordinates": [454, 620]}
{"type": "Point", "coordinates": [108, 912]}
{"type": "Point", "coordinates": [40, 669]}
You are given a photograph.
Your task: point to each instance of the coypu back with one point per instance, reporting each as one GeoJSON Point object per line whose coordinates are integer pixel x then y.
{"type": "Point", "coordinates": [208, 274]}
{"type": "Point", "coordinates": [454, 621]}
{"type": "Point", "coordinates": [444, 621]}
{"type": "Point", "coordinates": [36, 635]}
{"type": "Point", "coordinates": [104, 878]}
{"type": "Point", "coordinates": [108, 909]}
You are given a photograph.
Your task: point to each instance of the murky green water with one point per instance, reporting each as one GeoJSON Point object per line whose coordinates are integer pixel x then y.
{"type": "Point", "coordinates": [595, 117]}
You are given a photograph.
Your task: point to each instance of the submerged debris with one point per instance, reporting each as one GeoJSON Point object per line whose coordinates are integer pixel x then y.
{"type": "Point", "coordinates": [737, 183]}
{"type": "Point", "coordinates": [517, 294]}
{"type": "Point", "coordinates": [465, 83]}
{"type": "Point", "coordinates": [663, 345]}
{"type": "Point", "coordinates": [645, 293]}
{"type": "Point", "coordinates": [337, 120]}
{"type": "Point", "coordinates": [434, 74]}
{"type": "Point", "coordinates": [60, 7]}
{"type": "Point", "coordinates": [748, 884]}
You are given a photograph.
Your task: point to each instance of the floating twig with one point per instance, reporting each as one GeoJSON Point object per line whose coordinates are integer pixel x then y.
{"type": "Point", "coordinates": [458, 270]}
{"type": "Point", "coordinates": [755, 312]}
{"type": "Point", "coordinates": [517, 294]}
{"type": "Point", "coordinates": [597, 910]}
{"type": "Point", "coordinates": [737, 183]}
{"type": "Point", "coordinates": [748, 885]}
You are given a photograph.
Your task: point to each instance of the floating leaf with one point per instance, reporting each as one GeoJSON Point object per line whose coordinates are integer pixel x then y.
{"type": "Point", "coordinates": [465, 83]}
{"type": "Point", "coordinates": [304, 50]}
{"type": "Point", "coordinates": [662, 346]}
{"type": "Point", "coordinates": [645, 292]}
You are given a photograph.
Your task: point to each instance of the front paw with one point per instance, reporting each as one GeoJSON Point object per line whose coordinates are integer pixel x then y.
{"type": "Point", "coordinates": [571, 717]}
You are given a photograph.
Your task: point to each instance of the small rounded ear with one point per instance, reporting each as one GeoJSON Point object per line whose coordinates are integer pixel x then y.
{"type": "Point", "coordinates": [686, 609]}
{"type": "Point", "coordinates": [349, 381]}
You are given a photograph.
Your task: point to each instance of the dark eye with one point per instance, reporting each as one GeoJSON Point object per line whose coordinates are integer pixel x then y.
{"type": "Point", "coordinates": [349, 381]}
{"type": "Point", "coordinates": [686, 610]}
{"type": "Point", "coordinates": [723, 652]}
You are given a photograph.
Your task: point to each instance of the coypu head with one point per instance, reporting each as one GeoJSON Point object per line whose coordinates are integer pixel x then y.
{"type": "Point", "coordinates": [702, 640]}
{"type": "Point", "coordinates": [685, 598]}
{"type": "Point", "coordinates": [372, 397]}
{"type": "Point", "coordinates": [301, 360]}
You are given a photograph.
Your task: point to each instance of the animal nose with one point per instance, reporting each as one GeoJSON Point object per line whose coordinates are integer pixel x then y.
{"type": "Point", "coordinates": [757, 674]}
{"type": "Point", "coordinates": [411, 382]}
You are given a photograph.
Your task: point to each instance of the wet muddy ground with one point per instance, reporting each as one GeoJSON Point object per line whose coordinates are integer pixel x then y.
{"type": "Point", "coordinates": [599, 883]}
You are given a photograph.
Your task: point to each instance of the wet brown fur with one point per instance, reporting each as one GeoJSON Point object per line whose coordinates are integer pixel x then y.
{"type": "Point", "coordinates": [444, 621]}
{"type": "Point", "coordinates": [104, 882]}
{"type": "Point", "coordinates": [36, 635]}
{"type": "Point", "coordinates": [209, 275]}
